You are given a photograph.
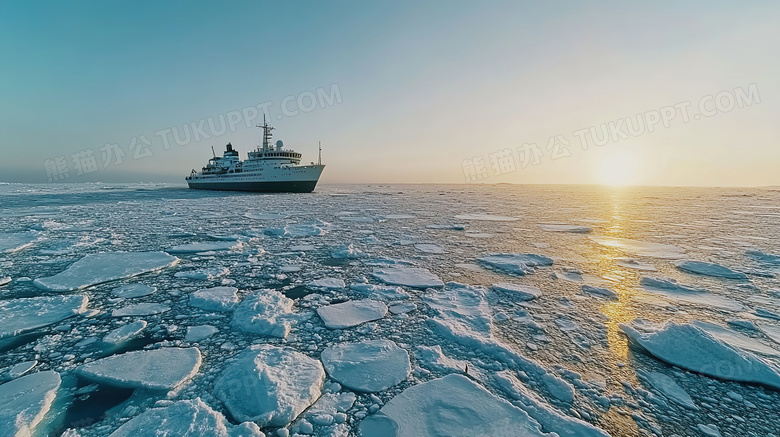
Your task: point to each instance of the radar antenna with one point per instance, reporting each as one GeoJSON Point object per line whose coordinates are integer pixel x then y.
{"type": "Point", "coordinates": [266, 134]}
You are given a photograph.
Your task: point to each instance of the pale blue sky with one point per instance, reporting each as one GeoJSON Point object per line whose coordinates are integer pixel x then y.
{"type": "Point", "coordinates": [425, 87]}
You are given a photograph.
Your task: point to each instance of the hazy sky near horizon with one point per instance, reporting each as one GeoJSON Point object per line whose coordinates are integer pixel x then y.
{"type": "Point", "coordinates": [432, 91]}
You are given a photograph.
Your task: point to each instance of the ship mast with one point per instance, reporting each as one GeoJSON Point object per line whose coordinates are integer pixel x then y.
{"type": "Point", "coordinates": [266, 134]}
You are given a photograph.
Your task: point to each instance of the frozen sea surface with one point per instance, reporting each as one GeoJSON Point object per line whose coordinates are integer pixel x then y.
{"type": "Point", "coordinates": [389, 310]}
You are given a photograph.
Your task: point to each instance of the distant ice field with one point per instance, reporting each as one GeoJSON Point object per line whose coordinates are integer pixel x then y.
{"type": "Point", "coordinates": [389, 310]}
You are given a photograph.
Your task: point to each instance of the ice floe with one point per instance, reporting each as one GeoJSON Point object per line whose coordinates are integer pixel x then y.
{"type": "Point", "coordinates": [329, 408]}
{"type": "Point", "coordinates": [215, 299]}
{"type": "Point", "coordinates": [402, 308]}
{"type": "Point", "coordinates": [5, 280]}
{"type": "Point", "coordinates": [367, 366]}
{"type": "Point", "coordinates": [668, 387]}
{"type": "Point", "coordinates": [188, 418]}
{"type": "Point", "coordinates": [155, 369]}
{"type": "Point", "coordinates": [692, 348]}
{"type": "Point", "coordinates": [348, 252]}
{"type": "Point", "coordinates": [299, 230]}
{"type": "Point", "coordinates": [673, 290]}
{"type": "Point", "coordinates": [763, 257]}
{"type": "Point", "coordinates": [771, 331]}
{"type": "Point", "coordinates": [140, 309]}
{"type": "Point", "coordinates": [550, 419]}
{"type": "Point", "coordinates": [269, 385]}
{"type": "Point", "coordinates": [200, 332]}
{"type": "Point", "coordinates": [767, 314]}
{"type": "Point", "coordinates": [21, 315]}
{"type": "Point", "coordinates": [98, 268]}
{"type": "Point", "coordinates": [433, 358]}
{"type": "Point", "coordinates": [708, 269]}
{"type": "Point", "coordinates": [257, 215]}
{"type": "Point", "coordinates": [737, 339]}
{"type": "Point", "coordinates": [381, 292]}
{"type": "Point", "coordinates": [631, 263]}
{"type": "Point", "coordinates": [351, 313]}
{"type": "Point", "coordinates": [641, 248]}
{"type": "Point", "coordinates": [599, 291]}
{"type": "Point", "coordinates": [448, 406]}
{"type": "Point", "coordinates": [429, 248]}
{"type": "Point", "coordinates": [574, 229]}
{"type": "Point", "coordinates": [205, 247]}
{"type": "Point", "coordinates": [265, 312]}
{"type": "Point", "coordinates": [130, 291]}
{"type": "Point", "coordinates": [415, 277]}
{"type": "Point", "coordinates": [25, 401]}
{"type": "Point", "coordinates": [20, 369]}
{"type": "Point", "coordinates": [327, 284]}
{"type": "Point", "coordinates": [125, 332]}
{"type": "Point", "coordinates": [14, 241]}
{"type": "Point", "coordinates": [516, 263]}
{"type": "Point", "coordinates": [204, 274]}
{"type": "Point", "coordinates": [486, 217]}
{"type": "Point", "coordinates": [518, 291]}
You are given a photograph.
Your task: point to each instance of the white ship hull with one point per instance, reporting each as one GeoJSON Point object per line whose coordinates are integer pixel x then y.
{"type": "Point", "coordinates": [292, 179]}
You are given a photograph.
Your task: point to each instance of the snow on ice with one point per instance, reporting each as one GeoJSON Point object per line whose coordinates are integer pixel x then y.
{"type": "Point", "coordinates": [25, 401]}
{"type": "Point", "coordinates": [381, 292]}
{"type": "Point", "coordinates": [414, 277]}
{"type": "Point", "coordinates": [692, 348]}
{"type": "Point", "coordinates": [367, 366]}
{"type": "Point", "coordinates": [269, 385]}
{"type": "Point", "coordinates": [668, 387]}
{"type": "Point", "coordinates": [199, 333]}
{"type": "Point", "coordinates": [12, 242]}
{"type": "Point", "coordinates": [641, 248]}
{"type": "Point", "coordinates": [125, 332]}
{"type": "Point", "coordinates": [204, 274]}
{"type": "Point", "coordinates": [763, 257]}
{"type": "Point", "coordinates": [673, 290]}
{"type": "Point", "coordinates": [351, 313]}
{"type": "Point", "coordinates": [98, 268]}
{"type": "Point", "coordinates": [449, 406]}
{"type": "Point", "coordinates": [205, 247]}
{"type": "Point", "coordinates": [599, 291]}
{"type": "Point", "coordinates": [155, 369]}
{"type": "Point", "coordinates": [21, 315]}
{"type": "Point", "coordinates": [708, 269]}
{"type": "Point", "coordinates": [188, 418]}
{"type": "Point", "coordinates": [348, 252]}
{"type": "Point", "coordinates": [433, 358]}
{"type": "Point", "coordinates": [140, 309]}
{"type": "Point", "coordinates": [215, 299]}
{"type": "Point", "coordinates": [518, 291]}
{"type": "Point", "coordinates": [516, 263]}
{"type": "Point", "coordinates": [429, 248]}
{"type": "Point", "coordinates": [131, 291]}
{"type": "Point", "coordinates": [550, 419]}
{"type": "Point", "coordinates": [265, 312]}
{"type": "Point", "coordinates": [327, 284]}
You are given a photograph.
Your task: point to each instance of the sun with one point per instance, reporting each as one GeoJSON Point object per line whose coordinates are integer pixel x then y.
{"type": "Point", "coordinates": [618, 168]}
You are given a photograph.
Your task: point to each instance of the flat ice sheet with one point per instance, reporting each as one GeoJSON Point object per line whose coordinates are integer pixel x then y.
{"type": "Point", "coordinates": [98, 268]}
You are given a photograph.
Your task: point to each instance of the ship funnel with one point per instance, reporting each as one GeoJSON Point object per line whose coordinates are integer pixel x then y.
{"type": "Point", "coordinates": [229, 147]}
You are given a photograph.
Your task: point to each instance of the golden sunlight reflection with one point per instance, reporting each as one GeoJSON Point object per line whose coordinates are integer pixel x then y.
{"type": "Point", "coordinates": [620, 311]}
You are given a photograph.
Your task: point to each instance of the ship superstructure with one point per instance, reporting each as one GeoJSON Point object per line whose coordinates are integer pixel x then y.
{"type": "Point", "coordinates": [268, 168]}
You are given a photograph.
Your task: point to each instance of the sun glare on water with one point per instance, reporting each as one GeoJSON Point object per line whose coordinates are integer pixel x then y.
{"type": "Point", "coordinates": [618, 168]}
